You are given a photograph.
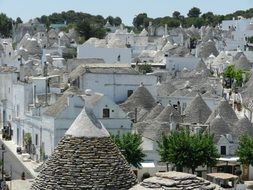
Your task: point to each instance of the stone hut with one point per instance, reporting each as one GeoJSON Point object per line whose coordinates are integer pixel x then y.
{"type": "Point", "coordinates": [169, 114]}
{"type": "Point", "coordinates": [155, 112]}
{"type": "Point", "coordinates": [205, 49]}
{"type": "Point", "coordinates": [243, 126]}
{"type": "Point", "coordinates": [243, 63]}
{"type": "Point", "coordinates": [165, 89]}
{"type": "Point", "coordinates": [32, 47]}
{"type": "Point", "coordinates": [197, 111]}
{"type": "Point", "coordinates": [175, 181]}
{"type": "Point", "coordinates": [140, 99]}
{"type": "Point", "coordinates": [226, 112]}
{"type": "Point", "coordinates": [218, 127]}
{"type": "Point", "coordinates": [85, 158]}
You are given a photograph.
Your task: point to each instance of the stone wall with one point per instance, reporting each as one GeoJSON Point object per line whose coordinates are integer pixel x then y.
{"type": "Point", "coordinates": [85, 163]}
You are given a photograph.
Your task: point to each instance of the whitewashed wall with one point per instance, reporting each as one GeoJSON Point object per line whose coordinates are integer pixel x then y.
{"type": "Point", "coordinates": [116, 85]}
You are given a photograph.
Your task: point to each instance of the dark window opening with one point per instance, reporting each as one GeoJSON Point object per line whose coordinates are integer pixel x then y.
{"type": "Point", "coordinates": [106, 113]}
{"type": "Point", "coordinates": [36, 139]}
{"type": "Point", "coordinates": [223, 150]}
{"type": "Point", "coordinates": [118, 58]}
{"type": "Point", "coordinates": [129, 93]}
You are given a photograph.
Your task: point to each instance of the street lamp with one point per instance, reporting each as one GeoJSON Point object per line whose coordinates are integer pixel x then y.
{"type": "Point", "coordinates": [3, 151]}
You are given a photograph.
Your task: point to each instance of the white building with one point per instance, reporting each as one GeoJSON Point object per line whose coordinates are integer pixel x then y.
{"type": "Point", "coordinates": [116, 81]}
{"type": "Point", "coordinates": [107, 112]}
{"type": "Point", "coordinates": [22, 98]}
{"type": "Point", "coordinates": [8, 77]}
{"type": "Point", "coordinates": [174, 64]}
{"type": "Point", "coordinates": [47, 125]}
{"type": "Point", "coordinates": [108, 54]}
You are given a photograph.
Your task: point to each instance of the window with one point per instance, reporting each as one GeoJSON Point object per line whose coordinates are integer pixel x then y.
{"type": "Point", "coordinates": [17, 110]}
{"type": "Point", "coordinates": [106, 113]}
{"type": "Point", "coordinates": [223, 150]}
{"type": "Point", "coordinates": [36, 139]}
{"type": "Point", "coordinates": [129, 93]}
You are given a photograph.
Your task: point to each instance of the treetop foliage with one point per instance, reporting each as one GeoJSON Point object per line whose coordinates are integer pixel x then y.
{"type": "Point", "coordinates": [245, 149]}
{"type": "Point", "coordinates": [96, 22]}
{"type": "Point", "coordinates": [130, 146]}
{"type": "Point", "coordinates": [188, 150]}
{"type": "Point", "coordinates": [194, 17]}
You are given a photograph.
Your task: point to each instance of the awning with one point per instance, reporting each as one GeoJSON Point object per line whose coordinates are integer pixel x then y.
{"type": "Point", "coordinates": [148, 164]}
{"type": "Point", "coordinates": [230, 159]}
{"type": "Point", "coordinates": [224, 176]}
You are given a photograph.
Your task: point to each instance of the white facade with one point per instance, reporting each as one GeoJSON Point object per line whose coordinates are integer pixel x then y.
{"type": "Point", "coordinates": [179, 63]}
{"type": "Point", "coordinates": [22, 98]}
{"type": "Point", "coordinates": [117, 86]}
{"type": "Point", "coordinates": [109, 55]}
{"type": "Point", "coordinates": [7, 79]}
{"type": "Point", "coordinates": [229, 147]}
{"type": "Point", "coordinates": [117, 121]}
{"type": "Point", "coordinates": [240, 24]}
{"type": "Point", "coordinates": [41, 85]}
{"type": "Point", "coordinates": [47, 130]}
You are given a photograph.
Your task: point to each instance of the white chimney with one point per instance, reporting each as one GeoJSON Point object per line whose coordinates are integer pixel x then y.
{"type": "Point", "coordinates": [89, 92]}
{"type": "Point", "coordinates": [166, 30]}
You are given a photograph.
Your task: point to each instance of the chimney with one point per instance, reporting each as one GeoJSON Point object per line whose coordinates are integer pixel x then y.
{"type": "Point", "coordinates": [34, 94]}
{"type": "Point", "coordinates": [166, 30]}
{"type": "Point", "coordinates": [135, 115]}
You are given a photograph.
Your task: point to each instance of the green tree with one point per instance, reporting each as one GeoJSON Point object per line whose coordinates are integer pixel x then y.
{"type": "Point", "coordinates": [19, 20]}
{"type": "Point", "coordinates": [110, 19]}
{"type": "Point", "coordinates": [84, 29]}
{"type": "Point", "coordinates": [245, 149]}
{"type": "Point", "coordinates": [145, 68]}
{"type": "Point", "coordinates": [233, 73]}
{"type": "Point", "coordinates": [141, 21]}
{"type": "Point", "coordinates": [194, 12]}
{"type": "Point", "coordinates": [130, 146]}
{"type": "Point", "coordinates": [176, 14]}
{"type": "Point", "coordinates": [5, 25]}
{"type": "Point", "coordinates": [208, 17]}
{"type": "Point", "coordinates": [117, 21]}
{"type": "Point", "coordinates": [188, 150]}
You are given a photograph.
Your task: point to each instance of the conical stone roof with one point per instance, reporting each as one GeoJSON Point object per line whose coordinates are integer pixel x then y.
{"type": "Point", "coordinates": [238, 55]}
{"type": "Point", "coordinates": [197, 111]}
{"type": "Point", "coordinates": [143, 32]}
{"type": "Point", "coordinates": [33, 47]}
{"type": "Point", "coordinates": [243, 126]}
{"type": "Point", "coordinates": [243, 63]}
{"type": "Point", "coordinates": [155, 112]}
{"type": "Point", "coordinates": [85, 158]}
{"type": "Point", "coordinates": [24, 40]}
{"type": "Point", "coordinates": [225, 111]}
{"type": "Point", "coordinates": [218, 127]}
{"type": "Point", "coordinates": [206, 49]}
{"type": "Point", "coordinates": [222, 58]}
{"type": "Point", "coordinates": [165, 89]}
{"type": "Point", "coordinates": [168, 113]}
{"type": "Point", "coordinates": [154, 130]}
{"type": "Point", "coordinates": [141, 98]}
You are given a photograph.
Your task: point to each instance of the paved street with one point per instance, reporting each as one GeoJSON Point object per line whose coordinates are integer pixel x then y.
{"type": "Point", "coordinates": [11, 161]}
